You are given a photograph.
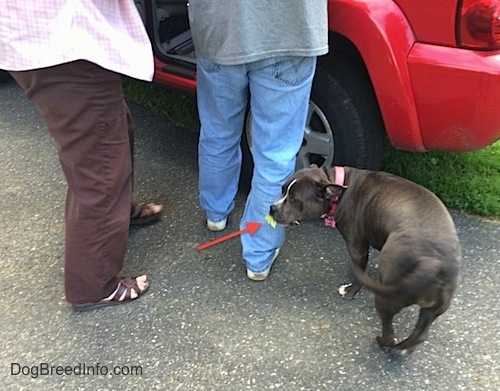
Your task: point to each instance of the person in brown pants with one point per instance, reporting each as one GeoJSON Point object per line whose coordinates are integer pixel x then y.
{"type": "Point", "coordinates": [95, 154]}
{"type": "Point", "coordinates": [82, 103]}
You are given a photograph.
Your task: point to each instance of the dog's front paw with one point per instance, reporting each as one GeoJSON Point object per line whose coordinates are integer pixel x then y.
{"type": "Point", "coordinates": [348, 291]}
{"type": "Point", "coordinates": [343, 289]}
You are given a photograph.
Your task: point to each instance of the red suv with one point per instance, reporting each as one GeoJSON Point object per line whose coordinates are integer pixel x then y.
{"type": "Point", "coordinates": [424, 74]}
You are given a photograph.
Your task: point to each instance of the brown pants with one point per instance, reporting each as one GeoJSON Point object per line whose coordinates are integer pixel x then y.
{"type": "Point", "coordinates": [86, 114]}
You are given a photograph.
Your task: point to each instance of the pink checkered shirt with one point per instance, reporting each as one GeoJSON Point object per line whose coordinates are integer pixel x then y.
{"type": "Point", "coordinates": [43, 33]}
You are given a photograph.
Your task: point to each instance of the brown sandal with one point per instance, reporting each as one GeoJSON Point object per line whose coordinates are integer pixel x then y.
{"type": "Point", "coordinates": [141, 214]}
{"type": "Point", "coordinates": [124, 289]}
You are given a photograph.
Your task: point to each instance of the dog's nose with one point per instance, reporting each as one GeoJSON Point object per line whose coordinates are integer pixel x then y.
{"type": "Point", "coordinates": [273, 209]}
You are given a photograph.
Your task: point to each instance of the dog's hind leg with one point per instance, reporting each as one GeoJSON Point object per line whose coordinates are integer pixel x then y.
{"type": "Point", "coordinates": [433, 303]}
{"type": "Point", "coordinates": [420, 333]}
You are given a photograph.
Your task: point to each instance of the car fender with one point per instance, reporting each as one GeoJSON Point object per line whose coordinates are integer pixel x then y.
{"type": "Point", "coordinates": [385, 56]}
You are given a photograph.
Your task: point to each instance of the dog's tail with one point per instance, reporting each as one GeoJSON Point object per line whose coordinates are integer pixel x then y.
{"type": "Point", "coordinates": [424, 272]}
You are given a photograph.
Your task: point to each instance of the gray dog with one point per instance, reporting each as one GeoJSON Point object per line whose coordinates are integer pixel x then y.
{"type": "Point", "coordinates": [420, 256]}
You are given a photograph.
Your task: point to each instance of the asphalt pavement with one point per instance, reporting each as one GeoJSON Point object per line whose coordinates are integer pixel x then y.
{"type": "Point", "coordinates": [203, 325]}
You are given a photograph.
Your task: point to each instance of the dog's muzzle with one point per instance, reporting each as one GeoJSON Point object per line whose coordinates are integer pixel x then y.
{"type": "Point", "coordinates": [274, 212]}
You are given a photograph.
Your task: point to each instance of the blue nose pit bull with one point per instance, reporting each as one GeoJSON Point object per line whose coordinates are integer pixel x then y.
{"type": "Point", "coordinates": [420, 256]}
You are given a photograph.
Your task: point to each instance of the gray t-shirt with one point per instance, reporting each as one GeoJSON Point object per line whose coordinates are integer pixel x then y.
{"type": "Point", "coordinates": [231, 32]}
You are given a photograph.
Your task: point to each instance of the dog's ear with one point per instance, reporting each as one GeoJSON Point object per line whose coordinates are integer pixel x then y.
{"type": "Point", "coordinates": [331, 191]}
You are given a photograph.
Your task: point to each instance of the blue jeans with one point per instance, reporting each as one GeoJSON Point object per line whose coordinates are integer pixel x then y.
{"type": "Point", "coordinates": [279, 91]}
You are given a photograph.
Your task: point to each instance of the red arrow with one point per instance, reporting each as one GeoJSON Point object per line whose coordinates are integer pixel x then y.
{"type": "Point", "coordinates": [251, 229]}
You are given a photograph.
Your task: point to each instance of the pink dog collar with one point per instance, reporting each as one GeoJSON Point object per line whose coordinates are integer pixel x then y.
{"type": "Point", "coordinates": [339, 180]}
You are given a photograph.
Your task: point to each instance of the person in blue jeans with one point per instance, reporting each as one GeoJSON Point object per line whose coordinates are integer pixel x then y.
{"type": "Point", "coordinates": [260, 55]}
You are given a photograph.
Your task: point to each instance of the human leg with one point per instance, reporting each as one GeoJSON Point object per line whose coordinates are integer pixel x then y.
{"type": "Point", "coordinates": [82, 105]}
{"type": "Point", "coordinates": [280, 91]}
{"type": "Point", "coordinates": [141, 213]}
{"type": "Point", "coordinates": [222, 101]}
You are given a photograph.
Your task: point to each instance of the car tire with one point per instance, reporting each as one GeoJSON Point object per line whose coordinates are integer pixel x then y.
{"type": "Point", "coordinates": [344, 126]}
{"type": "Point", "coordinates": [4, 76]}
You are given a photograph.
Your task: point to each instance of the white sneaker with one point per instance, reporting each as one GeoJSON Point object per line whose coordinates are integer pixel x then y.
{"type": "Point", "coordinates": [216, 225]}
{"type": "Point", "coordinates": [263, 275]}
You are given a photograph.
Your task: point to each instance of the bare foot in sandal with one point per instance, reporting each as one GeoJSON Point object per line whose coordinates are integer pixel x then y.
{"type": "Point", "coordinates": [141, 284]}
{"type": "Point", "coordinates": [147, 213]}
{"type": "Point", "coordinates": [128, 289]}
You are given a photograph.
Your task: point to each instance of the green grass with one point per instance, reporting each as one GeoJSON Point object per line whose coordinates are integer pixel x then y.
{"type": "Point", "coordinates": [466, 181]}
{"type": "Point", "coordinates": [180, 109]}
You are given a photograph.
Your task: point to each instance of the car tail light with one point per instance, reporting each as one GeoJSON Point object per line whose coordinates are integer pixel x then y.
{"type": "Point", "coordinates": [478, 24]}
